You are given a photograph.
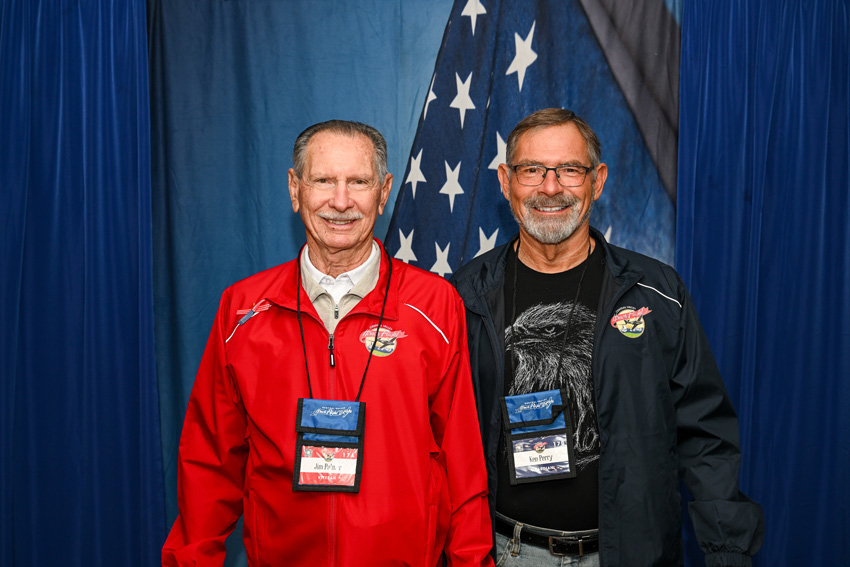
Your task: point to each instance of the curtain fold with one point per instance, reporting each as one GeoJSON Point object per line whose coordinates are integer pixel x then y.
{"type": "Point", "coordinates": [81, 474]}
{"type": "Point", "coordinates": [764, 243]}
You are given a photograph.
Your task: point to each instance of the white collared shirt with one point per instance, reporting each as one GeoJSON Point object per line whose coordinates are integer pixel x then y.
{"type": "Point", "coordinates": [342, 284]}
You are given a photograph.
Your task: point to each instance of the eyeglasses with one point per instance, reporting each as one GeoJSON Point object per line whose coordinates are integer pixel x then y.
{"type": "Point", "coordinates": [568, 175]}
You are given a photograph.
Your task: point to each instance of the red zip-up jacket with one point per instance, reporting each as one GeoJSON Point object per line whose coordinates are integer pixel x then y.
{"type": "Point", "coordinates": [423, 489]}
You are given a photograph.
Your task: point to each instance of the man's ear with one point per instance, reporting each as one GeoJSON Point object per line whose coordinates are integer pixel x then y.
{"type": "Point", "coordinates": [385, 193]}
{"type": "Point", "coordinates": [293, 190]}
{"type": "Point", "coordinates": [504, 180]}
{"type": "Point", "coordinates": [599, 184]}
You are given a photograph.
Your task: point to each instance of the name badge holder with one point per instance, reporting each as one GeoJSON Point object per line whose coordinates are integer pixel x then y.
{"type": "Point", "coordinates": [329, 433]}
{"type": "Point", "coordinates": [329, 445]}
{"type": "Point", "coordinates": [539, 436]}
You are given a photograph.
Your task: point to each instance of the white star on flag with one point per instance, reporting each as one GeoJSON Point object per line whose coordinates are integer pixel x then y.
{"type": "Point", "coordinates": [462, 101]}
{"type": "Point", "coordinates": [525, 56]}
{"type": "Point", "coordinates": [441, 266]}
{"type": "Point", "coordinates": [415, 176]}
{"type": "Point", "coordinates": [486, 244]}
{"type": "Point", "coordinates": [452, 186]}
{"type": "Point", "coordinates": [473, 9]}
{"type": "Point", "coordinates": [431, 97]}
{"type": "Point", "coordinates": [501, 152]}
{"type": "Point", "coordinates": [405, 252]}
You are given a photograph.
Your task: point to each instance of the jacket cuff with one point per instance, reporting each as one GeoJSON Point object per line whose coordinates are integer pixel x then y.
{"type": "Point", "coordinates": [727, 559]}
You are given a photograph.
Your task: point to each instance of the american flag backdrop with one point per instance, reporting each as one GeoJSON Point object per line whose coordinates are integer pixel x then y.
{"type": "Point", "coordinates": [502, 60]}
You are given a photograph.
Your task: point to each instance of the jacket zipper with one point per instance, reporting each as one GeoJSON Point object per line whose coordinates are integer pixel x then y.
{"type": "Point", "coordinates": [332, 531]}
{"type": "Point", "coordinates": [332, 502]}
{"type": "Point", "coordinates": [332, 540]}
{"type": "Point", "coordinates": [597, 336]}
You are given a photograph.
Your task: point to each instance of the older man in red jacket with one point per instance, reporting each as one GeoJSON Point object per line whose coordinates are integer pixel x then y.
{"type": "Point", "coordinates": [333, 406]}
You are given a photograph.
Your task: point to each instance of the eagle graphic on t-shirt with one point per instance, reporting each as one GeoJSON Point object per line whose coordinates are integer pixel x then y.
{"type": "Point", "coordinates": [535, 342]}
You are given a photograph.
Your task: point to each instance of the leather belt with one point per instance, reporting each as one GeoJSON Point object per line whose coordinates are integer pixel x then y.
{"type": "Point", "coordinates": [557, 542]}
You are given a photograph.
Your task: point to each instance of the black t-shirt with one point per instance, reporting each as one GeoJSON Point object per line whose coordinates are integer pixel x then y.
{"type": "Point", "coordinates": [534, 341]}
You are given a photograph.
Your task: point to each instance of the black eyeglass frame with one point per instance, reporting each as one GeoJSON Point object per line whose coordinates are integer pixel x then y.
{"type": "Point", "coordinates": [587, 169]}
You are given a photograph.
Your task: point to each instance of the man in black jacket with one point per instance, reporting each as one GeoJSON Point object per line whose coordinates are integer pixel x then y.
{"type": "Point", "coordinates": [596, 386]}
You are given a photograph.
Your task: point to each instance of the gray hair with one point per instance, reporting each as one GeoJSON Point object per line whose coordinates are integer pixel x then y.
{"type": "Point", "coordinates": [555, 117]}
{"type": "Point", "coordinates": [346, 128]}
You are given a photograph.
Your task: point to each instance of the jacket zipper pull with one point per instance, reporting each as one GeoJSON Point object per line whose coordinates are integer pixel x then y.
{"type": "Point", "coordinates": [331, 348]}
{"type": "Point", "coordinates": [336, 311]}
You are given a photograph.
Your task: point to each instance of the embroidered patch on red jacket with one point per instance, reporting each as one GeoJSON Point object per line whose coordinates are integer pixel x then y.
{"type": "Point", "coordinates": [387, 339]}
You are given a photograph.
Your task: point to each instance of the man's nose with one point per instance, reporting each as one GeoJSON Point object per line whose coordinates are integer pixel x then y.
{"type": "Point", "coordinates": [550, 184]}
{"type": "Point", "coordinates": [340, 198]}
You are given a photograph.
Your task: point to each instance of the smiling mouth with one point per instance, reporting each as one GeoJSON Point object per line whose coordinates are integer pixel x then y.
{"type": "Point", "coordinates": [554, 209]}
{"type": "Point", "coordinates": [340, 221]}
{"type": "Point", "coordinates": [551, 204]}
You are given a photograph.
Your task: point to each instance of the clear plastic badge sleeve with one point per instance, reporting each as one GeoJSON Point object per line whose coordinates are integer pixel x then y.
{"type": "Point", "coordinates": [329, 445]}
{"type": "Point", "coordinates": [539, 436]}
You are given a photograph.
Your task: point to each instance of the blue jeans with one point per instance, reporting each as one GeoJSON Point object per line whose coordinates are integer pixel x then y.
{"type": "Point", "coordinates": [532, 556]}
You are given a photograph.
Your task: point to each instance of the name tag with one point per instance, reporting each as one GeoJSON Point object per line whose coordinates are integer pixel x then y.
{"type": "Point", "coordinates": [538, 432]}
{"type": "Point", "coordinates": [329, 445]}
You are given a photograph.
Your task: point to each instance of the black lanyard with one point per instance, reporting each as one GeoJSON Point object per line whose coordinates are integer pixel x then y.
{"type": "Point", "coordinates": [377, 330]}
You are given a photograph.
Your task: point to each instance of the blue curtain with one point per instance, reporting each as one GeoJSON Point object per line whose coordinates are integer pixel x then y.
{"type": "Point", "coordinates": [81, 474]}
{"type": "Point", "coordinates": [762, 236]}
{"type": "Point", "coordinates": [764, 242]}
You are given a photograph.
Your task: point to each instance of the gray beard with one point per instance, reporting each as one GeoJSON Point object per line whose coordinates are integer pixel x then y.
{"type": "Point", "coordinates": [535, 342]}
{"type": "Point", "coordinates": [548, 231]}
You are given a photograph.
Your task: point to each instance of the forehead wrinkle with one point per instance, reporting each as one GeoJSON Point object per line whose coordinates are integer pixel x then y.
{"type": "Point", "coordinates": [559, 140]}
{"type": "Point", "coordinates": [343, 146]}
{"type": "Point", "coordinates": [559, 160]}
{"type": "Point", "coordinates": [561, 164]}
{"type": "Point", "coordinates": [319, 174]}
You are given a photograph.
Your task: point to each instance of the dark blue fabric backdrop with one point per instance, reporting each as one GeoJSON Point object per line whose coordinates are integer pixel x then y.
{"type": "Point", "coordinates": [764, 243]}
{"type": "Point", "coordinates": [81, 473]}
{"type": "Point", "coordinates": [762, 237]}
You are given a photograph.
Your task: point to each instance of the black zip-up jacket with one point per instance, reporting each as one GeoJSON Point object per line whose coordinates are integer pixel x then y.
{"type": "Point", "coordinates": [662, 412]}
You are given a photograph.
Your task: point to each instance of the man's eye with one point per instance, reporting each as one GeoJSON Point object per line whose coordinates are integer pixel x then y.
{"type": "Point", "coordinates": [323, 182]}
{"type": "Point", "coordinates": [359, 183]}
{"type": "Point", "coordinates": [531, 169]}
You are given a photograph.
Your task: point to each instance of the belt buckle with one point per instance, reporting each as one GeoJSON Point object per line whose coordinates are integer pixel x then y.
{"type": "Point", "coordinates": [552, 546]}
